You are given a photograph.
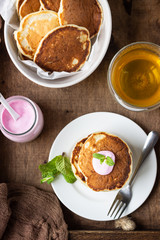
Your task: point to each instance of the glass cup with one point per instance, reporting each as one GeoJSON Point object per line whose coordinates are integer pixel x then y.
{"type": "Point", "coordinates": [28, 126]}
{"type": "Point", "coordinates": [134, 76]}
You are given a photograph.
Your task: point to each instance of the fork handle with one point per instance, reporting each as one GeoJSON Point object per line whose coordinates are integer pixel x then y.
{"type": "Point", "coordinates": [149, 144]}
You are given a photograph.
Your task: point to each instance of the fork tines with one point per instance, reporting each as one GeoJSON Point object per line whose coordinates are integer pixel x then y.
{"type": "Point", "coordinates": [117, 207]}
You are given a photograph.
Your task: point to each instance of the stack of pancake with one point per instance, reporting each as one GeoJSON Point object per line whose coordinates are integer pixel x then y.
{"type": "Point", "coordinates": [82, 156]}
{"type": "Point", "coordinates": [56, 34]}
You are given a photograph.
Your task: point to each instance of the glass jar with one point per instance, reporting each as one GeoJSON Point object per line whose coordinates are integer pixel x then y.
{"type": "Point", "coordinates": [134, 76]}
{"type": "Point", "coordinates": [28, 126]}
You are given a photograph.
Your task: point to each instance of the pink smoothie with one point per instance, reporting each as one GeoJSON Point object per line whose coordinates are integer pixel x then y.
{"type": "Point", "coordinates": [28, 126]}
{"type": "Point", "coordinates": [103, 169]}
{"type": "Point", "coordinates": [24, 122]}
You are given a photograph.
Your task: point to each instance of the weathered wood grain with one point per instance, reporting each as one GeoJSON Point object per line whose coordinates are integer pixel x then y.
{"type": "Point", "coordinates": [116, 235]}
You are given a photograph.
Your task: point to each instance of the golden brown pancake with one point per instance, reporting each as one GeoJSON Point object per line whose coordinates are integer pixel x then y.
{"type": "Point", "coordinates": [22, 57]}
{"type": "Point", "coordinates": [18, 4]}
{"type": "Point", "coordinates": [86, 13]}
{"type": "Point", "coordinates": [74, 160]}
{"type": "Point", "coordinates": [82, 156]}
{"type": "Point", "coordinates": [50, 5]}
{"type": "Point", "coordinates": [66, 48]}
{"type": "Point", "coordinates": [28, 6]}
{"type": "Point", "coordinates": [32, 29]}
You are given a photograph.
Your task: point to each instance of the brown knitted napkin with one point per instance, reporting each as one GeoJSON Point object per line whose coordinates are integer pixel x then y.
{"type": "Point", "coordinates": [31, 214]}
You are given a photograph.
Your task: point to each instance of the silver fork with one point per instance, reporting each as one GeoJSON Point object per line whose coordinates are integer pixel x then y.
{"type": "Point", "coordinates": [124, 196]}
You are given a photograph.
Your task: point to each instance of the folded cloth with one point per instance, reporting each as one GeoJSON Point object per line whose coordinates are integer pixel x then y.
{"type": "Point", "coordinates": [4, 208]}
{"type": "Point", "coordinates": [29, 213]}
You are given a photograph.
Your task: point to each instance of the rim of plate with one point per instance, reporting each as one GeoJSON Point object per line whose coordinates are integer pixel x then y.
{"type": "Point", "coordinates": [50, 83]}
{"type": "Point", "coordinates": [153, 152]}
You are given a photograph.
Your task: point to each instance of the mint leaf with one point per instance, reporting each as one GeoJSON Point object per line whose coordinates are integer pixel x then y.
{"type": "Point", "coordinates": [99, 156]}
{"type": "Point", "coordinates": [49, 167]}
{"type": "Point", "coordinates": [101, 161]}
{"type": "Point", "coordinates": [48, 178]}
{"type": "Point", "coordinates": [109, 161]}
{"type": "Point", "coordinates": [49, 171]}
{"type": "Point", "coordinates": [70, 178]}
{"type": "Point", "coordinates": [63, 165]}
{"type": "Point", "coordinates": [57, 165]}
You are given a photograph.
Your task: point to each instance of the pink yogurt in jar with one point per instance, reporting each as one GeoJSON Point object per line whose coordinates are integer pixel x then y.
{"type": "Point", "coordinates": [28, 126]}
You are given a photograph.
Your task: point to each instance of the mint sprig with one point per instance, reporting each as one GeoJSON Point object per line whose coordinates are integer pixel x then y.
{"type": "Point", "coordinates": [59, 164]}
{"type": "Point", "coordinates": [108, 160]}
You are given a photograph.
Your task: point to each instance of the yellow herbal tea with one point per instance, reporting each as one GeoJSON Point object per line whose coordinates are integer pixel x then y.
{"type": "Point", "coordinates": [135, 77]}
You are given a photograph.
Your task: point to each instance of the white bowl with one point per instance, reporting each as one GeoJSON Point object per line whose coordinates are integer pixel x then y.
{"type": "Point", "coordinates": [101, 48]}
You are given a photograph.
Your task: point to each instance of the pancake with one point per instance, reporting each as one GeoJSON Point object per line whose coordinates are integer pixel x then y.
{"type": "Point", "coordinates": [65, 48]}
{"type": "Point", "coordinates": [50, 5]}
{"type": "Point", "coordinates": [27, 7]}
{"type": "Point", "coordinates": [41, 8]}
{"type": "Point", "coordinates": [32, 29]}
{"type": "Point", "coordinates": [18, 4]}
{"type": "Point", "coordinates": [82, 156]}
{"type": "Point", "coordinates": [74, 160]}
{"type": "Point", "coordinates": [86, 13]}
{"type": "Point", "coordinates": [22, 57]}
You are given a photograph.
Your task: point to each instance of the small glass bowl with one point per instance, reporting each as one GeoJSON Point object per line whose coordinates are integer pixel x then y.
{"type": "Point", "coordinates": [150, 47]}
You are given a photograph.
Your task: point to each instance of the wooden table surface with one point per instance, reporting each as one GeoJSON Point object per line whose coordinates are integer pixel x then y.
{"type": "Point", "coordinates": [133, 21]}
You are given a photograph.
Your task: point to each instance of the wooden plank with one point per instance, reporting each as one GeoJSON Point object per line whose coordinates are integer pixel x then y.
{"type": "Point", "coordinates": [114, 235]}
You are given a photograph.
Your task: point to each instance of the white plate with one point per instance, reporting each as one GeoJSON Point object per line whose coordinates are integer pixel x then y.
{"type": "Point", "coordinates": [95, 205]}
{"type": "Point", "coordinates": [101, 48]}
